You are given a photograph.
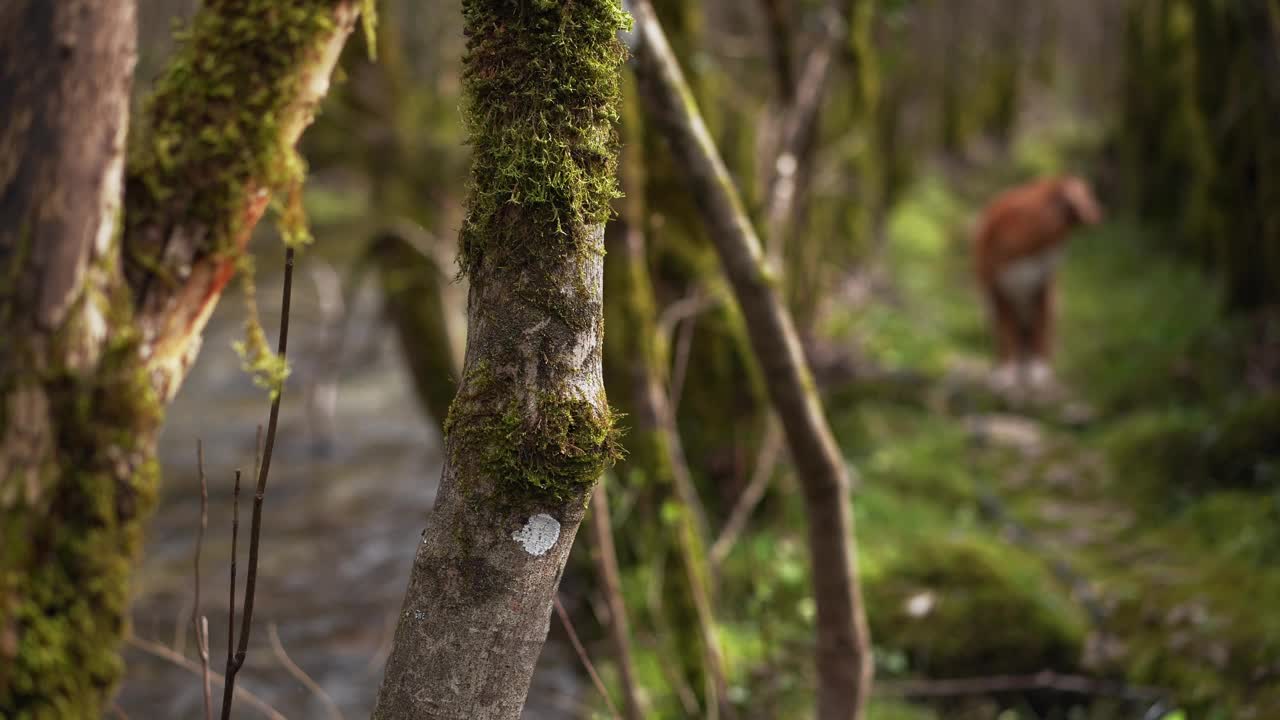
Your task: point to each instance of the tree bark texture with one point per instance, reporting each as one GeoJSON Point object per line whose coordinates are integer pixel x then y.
{"type": "Point", "coordinates": [843, 648]}
{"type": "Point", "coordinates": [529, 431]}
{"type": "Point", "coordinates": [101, 307]}
{"type": "Point", "coordinates": [65, 73]}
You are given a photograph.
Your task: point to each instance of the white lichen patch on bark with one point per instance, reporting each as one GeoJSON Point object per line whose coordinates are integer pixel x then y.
{"type": "Point", "coordinates": [538, 535]}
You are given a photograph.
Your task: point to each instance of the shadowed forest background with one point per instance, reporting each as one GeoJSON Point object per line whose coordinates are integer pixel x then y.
{"type": "Point", "coordinates": [1106, 551]}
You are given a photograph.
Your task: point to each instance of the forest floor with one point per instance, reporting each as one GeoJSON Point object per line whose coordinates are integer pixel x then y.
{"type": "Point", "coordinates": [1120, 531]}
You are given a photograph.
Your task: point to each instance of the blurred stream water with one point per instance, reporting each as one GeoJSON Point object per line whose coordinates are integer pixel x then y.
{"type": "Point", "coordinates": [340, 523]}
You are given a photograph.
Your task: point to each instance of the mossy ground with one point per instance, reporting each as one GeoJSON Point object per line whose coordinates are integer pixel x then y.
{"type": "Point", "coordinates": [1163, 508]}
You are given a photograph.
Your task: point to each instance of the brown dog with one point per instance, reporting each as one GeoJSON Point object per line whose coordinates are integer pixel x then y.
{"type": "Point", "coordinates": [1018, 243]}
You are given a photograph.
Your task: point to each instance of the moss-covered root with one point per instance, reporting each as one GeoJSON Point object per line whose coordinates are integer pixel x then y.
{"type": "Point", "coordinates": [529, 431]}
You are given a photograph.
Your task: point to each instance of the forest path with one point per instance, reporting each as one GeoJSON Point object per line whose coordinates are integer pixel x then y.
{"type": "Point", "coordinates": [1165, 566]}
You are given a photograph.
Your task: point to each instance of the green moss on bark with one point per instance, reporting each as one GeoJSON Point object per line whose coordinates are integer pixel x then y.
{"type": "Point", "coordinates": [69, 549]}
{"type": "Point", "coordinates": [1200, 154]}
{"type": "Point", "coordinates": [541, 101]}
{"type": "Point", "coordinates": [213, 129]}
{"type": "Point", "coordinates": [551, 447]}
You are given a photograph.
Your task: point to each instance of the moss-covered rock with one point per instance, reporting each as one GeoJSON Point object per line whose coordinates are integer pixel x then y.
{"type": "Point", "coordinates": [958, 606]}
{"type": "Point", "coordinates": [1191, 451]}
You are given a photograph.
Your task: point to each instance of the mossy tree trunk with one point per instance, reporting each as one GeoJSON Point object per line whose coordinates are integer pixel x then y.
{"type": "Point", "coordinates": [1198, 132]}
{"type": "Point", "coordinates": [718, 359]}
{"type": "Point", "coordinates": [843, 653]}
{"type": "Point", "coordinates": [102, 307]}
{"type": "Point", "coordinates": [529, 431]}
{"type": "Point", "coordinates": [636, 362]}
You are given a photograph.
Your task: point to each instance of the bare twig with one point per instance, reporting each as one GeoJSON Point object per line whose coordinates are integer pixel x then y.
{"type": "Point", "coordinates": [255, 529]}
{"type": "Point", "coordinates": [680, 365]}
{"type": "Point", "coordinates": [157, 650]}
{"type": "Point", "coordinates": [277, 648]}
{"type": "Point", "coordinates": [202, 642]}
{"type": "Point", "coordinates": [582, 655]}
{"type": "Point", "coordinates": [607, 565]}
{"type": "Point", "coordinates": [690, 306]}
{"type": "Point", "coordinates": [766, 461]}
{"type": "Point", "coordinates": [693, 533]}
{"type": "Point", "coordinates": [1046, 680]}
{"type": "Point", "coordinates": [228, 688]}
{"type": "Point", "coordinates": [201, 628]}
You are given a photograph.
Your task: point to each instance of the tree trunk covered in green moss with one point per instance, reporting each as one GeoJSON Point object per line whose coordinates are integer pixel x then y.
{"type": "Point", "coordinates": [1199, 134]}
{"type": "Point", "coordinates": [66, 516]}
{"type": "Point", "coordinates": [100, 315]}
{"type": "Point", "coordinates": [683, 263]}
{"type": "Point", "coordinates": [529, 431]}
{"type": "Point", "coordinates": [843, 654]}
{"type": "Point", "coordinates": [636, 362]}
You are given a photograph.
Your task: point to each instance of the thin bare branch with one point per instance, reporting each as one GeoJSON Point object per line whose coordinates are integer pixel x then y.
{"type": "Point", "coordinates": [582, 655]}
{"type": "Point", "coordinates": [277, 648]}
{"type": "Point", "coordinates": [1046, 680]}
{"type": "Point", "coordinates": [157, 650]}
{"type": "Point", "coordinates": [680, 363]}
{"type": "Point", "coordinates": [619, 628]}
{"type": "Point", "coordinates": [677, 684]}
{"type": "Point", "coordinates": [692, 305]}
{"type": "Point", "coordinates": [777, 36]}
{"type": "Point", "coordinates": [201, 630]}
{"type": "Point", "coordinates": [255, 529]}
{"type": "Point", "coordinates": [843, 656]}
{"type": "Point", "coordinates": [766, 461]}
{"type": "Point", "coordinates": [227, 688]}
{"type": "Point", "coordinates": [202, 640]}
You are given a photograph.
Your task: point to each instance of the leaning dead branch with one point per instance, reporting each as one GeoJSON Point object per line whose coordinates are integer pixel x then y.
{"type": "Point", "coordinates": [619, 628]}
{"type": "Point", "coordinates": [282, 656]}
{"type": "Point", "coordinates": [584, 658]}
{"type": "Point", "coordinates": [843, 657]}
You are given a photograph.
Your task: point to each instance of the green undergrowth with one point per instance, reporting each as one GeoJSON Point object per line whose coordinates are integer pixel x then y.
{"type": "Point", "coordinates": [1145, 538]}
{"type": "Point", "coordinates": [1166, 505]}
